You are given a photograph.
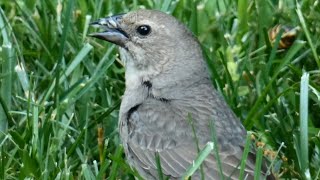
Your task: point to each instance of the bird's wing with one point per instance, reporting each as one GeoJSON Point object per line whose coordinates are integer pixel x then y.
{"type": "Point", "coordinates": [162, 127]}
{"type": "Point", "coordinates": [174, 162]}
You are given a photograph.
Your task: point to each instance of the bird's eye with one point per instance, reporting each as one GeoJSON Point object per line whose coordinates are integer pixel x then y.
{"type": "Point", "coordinates": [144, 30]}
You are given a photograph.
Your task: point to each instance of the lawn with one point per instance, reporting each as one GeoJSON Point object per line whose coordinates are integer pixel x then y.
{"type": "Point", "coordinates": [60, 90]}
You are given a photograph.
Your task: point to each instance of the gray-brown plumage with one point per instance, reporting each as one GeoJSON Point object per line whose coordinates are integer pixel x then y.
{"type": "Point", "coordinates": [167, 80]}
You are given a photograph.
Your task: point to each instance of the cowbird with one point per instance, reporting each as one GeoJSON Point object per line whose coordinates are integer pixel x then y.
{"type": "Point", "coordinates": [169, 104]}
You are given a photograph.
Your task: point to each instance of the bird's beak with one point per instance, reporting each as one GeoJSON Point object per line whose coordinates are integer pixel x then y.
{"type": "Point", "coordinates": [112, 30]}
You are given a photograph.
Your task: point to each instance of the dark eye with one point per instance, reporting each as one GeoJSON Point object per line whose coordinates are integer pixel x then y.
{"type": "Point", "coordinates": [144, 30]}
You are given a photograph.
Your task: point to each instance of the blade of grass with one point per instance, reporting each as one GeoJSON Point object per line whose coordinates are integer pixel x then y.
{"type": "Point", "coordinates": [114, 167]}
{"type": "Point", "coordinates": [304, 96]}
{"type": "Point", "coordinates": [216, 148]}
{"type": "Point", "coordinates": [159, 168]}
{"type": "Point", "coordinates": [2, 172]}
{"type": "Point", "coordinates": [229, 80]}
{"type": "Point", "coordinates": [66, 26]}
{"type": "Point", "coordinates": [87, 172]}
{"type": "Point", "coordinates": [190, 121]}
{"type": "Point", "coordinates": [5, 115]}
{"type": "Point", "coordinates": [103, 168]}
{"type": "Point", "coordinates": [245, 155]}
{"type": "Point", "coordinates": [215, 78]}
{"type": "Point", "coordinates": [243, 15]}
{"type": "Point", "coordinates": [7, 53]}
{"type": "Point", "coordinates": [66, 172]}
{"type": "Point", "coordinates": [193, 22]}
{"type": "Point", "coordinates": [305, 29]}
{"type": "Point", "coordinates": [35, 129]}
{"type": "Point", "coordinates": [200, 158]}
{"type": "Point", "coordinates": [257, 169]}
{"type": "Point", "coordinates": [86, 27]}
{"type": "Point", "coordinates": [46, 174]}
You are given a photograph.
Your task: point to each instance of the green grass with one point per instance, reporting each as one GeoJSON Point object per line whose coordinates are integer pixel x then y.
{"type": "Point", "coordinates": [58, 86]}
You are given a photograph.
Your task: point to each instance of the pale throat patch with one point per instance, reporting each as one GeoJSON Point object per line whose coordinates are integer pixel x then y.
{"type": "Point", "coordinates": [135, 77]}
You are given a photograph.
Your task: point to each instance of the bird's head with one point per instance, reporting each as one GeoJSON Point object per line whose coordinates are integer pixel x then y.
{"type": "Point", "coordinates": [152, 43]}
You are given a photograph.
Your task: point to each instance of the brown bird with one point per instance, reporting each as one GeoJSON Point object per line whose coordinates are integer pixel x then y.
{"type": "Point", "coordinates": [167, 81]}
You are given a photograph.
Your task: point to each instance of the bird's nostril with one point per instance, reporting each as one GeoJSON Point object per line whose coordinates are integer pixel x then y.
{"type": "Point", "coordinates": [112, 23]}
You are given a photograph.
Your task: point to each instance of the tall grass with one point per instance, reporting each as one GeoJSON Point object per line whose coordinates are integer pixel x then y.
{"type": "Point", "coordinates": [60, 90]}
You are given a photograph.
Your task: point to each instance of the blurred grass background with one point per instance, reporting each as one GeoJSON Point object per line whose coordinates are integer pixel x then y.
{"type": "Point", "coordinates": [60, 90]}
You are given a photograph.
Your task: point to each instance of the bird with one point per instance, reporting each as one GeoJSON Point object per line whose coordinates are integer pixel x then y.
{"type": "Point", "coordinates": [168, 86]}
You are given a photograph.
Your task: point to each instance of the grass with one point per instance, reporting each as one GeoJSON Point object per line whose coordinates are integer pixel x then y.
{"type": "Point", "coordinates": [60, 90]}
